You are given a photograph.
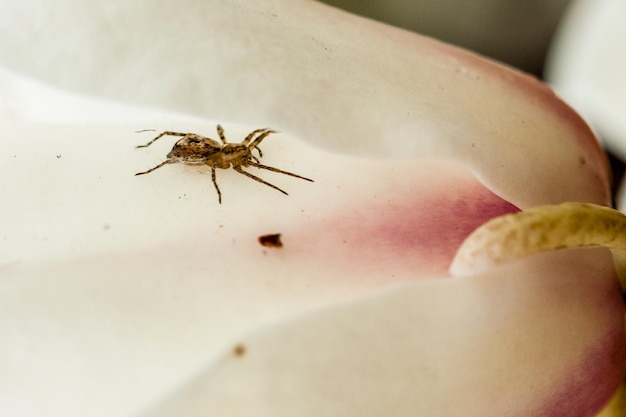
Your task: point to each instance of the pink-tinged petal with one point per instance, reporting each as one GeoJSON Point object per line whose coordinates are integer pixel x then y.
{"type": "Point", "coordinates": [396, 219]}
{"type": "Point", "coordinates": [337, 80]}
{"type": "Point", "coordinates": [176, 278]}
{"type": "Point", "coordinates": [410, 227]}
{"type": "Point", "coordinates": [144, 276]}
{"type": "Point", "coordinates": [510, 342]}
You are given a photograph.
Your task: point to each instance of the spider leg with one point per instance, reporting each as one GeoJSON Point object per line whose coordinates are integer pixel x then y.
{"type": "Point", "coordinates": [220, 133]}
{"type": "Point", "coordinates": [280, 171]}
{"type": "Point", "coordinates": [167, 133]}
{"type": "Point", "coordinates": [256, 142]}
{"type": "Point", "coordinates": [167, 161]}
{"type": "Point", "coordinates": [219, 193]}
{"type": "Point", "coordinates": [254, 177]}
{"type": "Point", "coordinates": [254, 158]}
{"type": "Point", "coordinates": [251, 135]}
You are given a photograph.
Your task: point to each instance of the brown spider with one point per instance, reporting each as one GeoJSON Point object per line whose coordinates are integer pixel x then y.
{"type": "Point", "coordinates": [194, 149]}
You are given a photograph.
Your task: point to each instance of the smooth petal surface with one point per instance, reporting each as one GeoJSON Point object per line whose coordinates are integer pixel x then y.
{"type": "Point", "coordinates": [440, 348]}
{"type": "Point", "coordinates": [130, 278]}
{"type": "Point", "coordinates": [340, 81]}
{"type": "Point", "coordinates": [121, 291]}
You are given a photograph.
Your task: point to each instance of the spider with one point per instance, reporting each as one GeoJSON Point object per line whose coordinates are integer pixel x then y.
{"type": "Point", "coordinates": [194, 149]}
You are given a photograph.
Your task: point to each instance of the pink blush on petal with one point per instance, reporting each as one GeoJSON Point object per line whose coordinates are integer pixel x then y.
{"type": "Point", "coordinates": [588, 386]}
{"type": "Point", "coordinates": [407, 230]}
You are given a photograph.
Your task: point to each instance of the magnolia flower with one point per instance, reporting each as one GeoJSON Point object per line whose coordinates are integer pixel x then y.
{"type": "Point", "coordinates": [126, 295]}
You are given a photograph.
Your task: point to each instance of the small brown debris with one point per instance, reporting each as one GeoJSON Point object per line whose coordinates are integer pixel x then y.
{"type": "Point", "coordinates": [271, 240]}
{"type": "Point", "coordinates": [59, 156]}
{"type": "Point", "coordinates": [239, 350]}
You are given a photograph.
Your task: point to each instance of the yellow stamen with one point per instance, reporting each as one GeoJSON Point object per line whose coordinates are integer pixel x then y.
{"type": "Point", "coordinates": [541, 229]}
